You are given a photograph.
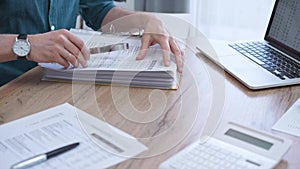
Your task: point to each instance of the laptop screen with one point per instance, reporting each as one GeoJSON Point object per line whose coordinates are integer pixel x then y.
{"type": "Point", "coordinates": [284, 28]}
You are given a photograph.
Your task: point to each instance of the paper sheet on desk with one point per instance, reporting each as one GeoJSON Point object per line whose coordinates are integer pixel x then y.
{"type": "Point", "coordinates": [60, 126]}
{"type": "Point", "coordinates": [290, 121]}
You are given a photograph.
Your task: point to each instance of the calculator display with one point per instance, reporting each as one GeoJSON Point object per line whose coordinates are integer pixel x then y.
{"type": "Point", "coordinates": [249, 139]}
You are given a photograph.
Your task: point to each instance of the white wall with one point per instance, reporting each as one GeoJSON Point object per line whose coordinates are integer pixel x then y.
{"type": "Point", "coordinates": [243, 13]}
{"type": "Point", "coordinates": [250, 16]}
{"type": "Point", "coordinates": [233, 17]}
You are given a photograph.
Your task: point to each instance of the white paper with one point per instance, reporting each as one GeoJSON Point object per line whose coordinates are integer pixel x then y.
{"type": "Point", "coordinates": [290, 121]}
{"type": "Point", "coordinates": [59, 126]}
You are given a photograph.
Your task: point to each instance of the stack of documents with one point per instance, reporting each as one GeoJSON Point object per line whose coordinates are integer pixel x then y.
{"type": "Point", "coordinates": [118, 67]}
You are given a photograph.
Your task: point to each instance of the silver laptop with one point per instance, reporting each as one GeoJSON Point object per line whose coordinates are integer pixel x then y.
{"type": "Point", "coordinates": [272, 62]}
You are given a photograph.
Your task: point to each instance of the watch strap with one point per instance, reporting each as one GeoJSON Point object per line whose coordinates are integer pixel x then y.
{"type": "Point", "coordinates": [21, 57]}
{"type": "Point", "coordinates": [22, 36]}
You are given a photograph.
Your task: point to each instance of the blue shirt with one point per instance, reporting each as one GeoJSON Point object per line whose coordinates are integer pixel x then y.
{"type": "Point", "coordinates": [40, 16]}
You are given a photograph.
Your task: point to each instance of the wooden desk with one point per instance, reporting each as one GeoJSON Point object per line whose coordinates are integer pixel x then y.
{"type": "Point", "coordinates": [151, 114]}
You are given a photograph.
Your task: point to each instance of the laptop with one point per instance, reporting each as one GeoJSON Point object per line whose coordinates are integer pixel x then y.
{"type": "Point", "coordinates": [271, 62]}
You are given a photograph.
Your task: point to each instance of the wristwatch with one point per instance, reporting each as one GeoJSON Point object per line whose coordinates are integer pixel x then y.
{"type": "Point", "coordinates": [21, 47]}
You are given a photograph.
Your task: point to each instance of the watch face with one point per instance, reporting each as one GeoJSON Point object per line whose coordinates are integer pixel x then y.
{"type": "Point", "coordinates": [21, 47]}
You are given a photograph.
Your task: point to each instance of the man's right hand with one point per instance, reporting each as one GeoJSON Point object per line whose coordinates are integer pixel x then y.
{"type": "Point", "coordinates": [59, 46]}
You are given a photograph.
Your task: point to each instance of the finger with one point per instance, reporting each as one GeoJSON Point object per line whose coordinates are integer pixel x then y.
{"type": "Point", "coordinates": [78, 56]}
{"type": "Point", "coordinates": [82, 55]}
{"type": "Point", "coordinates": [86, 52]}
{"type": "Point", "coordinates": [177, 54]}
{"type": "Point", "coordinates": [165, 46]}
{"type": "Point", "coordinates": [144, 48]}
{"type": "Point", "coordinates": [82, 60]}
{"type": "Point", "coordinates": [69, 57]}
{"type": "Point", "coordinates": [62, 61]}
{"type": "Point", "coordinates": [80, 49]}
{"type": "Point", "coordinates": [77, 53]}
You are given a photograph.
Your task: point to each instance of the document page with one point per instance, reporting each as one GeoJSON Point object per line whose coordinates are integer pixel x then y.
{"type": "Point", "coordinates": [289, 122]}
{"type": "Point", "coordinates": [101, 145]}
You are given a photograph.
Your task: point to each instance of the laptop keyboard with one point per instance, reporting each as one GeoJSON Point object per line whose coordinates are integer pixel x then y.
{"type": "Point", "coordinates": [270, 59]}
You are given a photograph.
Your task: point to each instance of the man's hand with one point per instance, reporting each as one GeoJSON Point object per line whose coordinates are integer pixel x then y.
{"type": "Point", "coordinates": [59, 46]}
{"type": "Point", "coordinates": [156, 33]}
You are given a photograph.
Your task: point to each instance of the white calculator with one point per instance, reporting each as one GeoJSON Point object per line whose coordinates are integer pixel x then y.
{"type": "Point", "coordinates": [232, 146]}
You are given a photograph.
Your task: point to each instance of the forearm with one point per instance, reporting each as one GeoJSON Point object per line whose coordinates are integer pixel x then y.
{"type": "Point", "coordinates": [6, 43]}
{"type": "Point", "coordinates": [115, 13]}
{"type": "Point", "coordinates": [125, 20]}
{"type": "Point", "coordinates": [60, 46]}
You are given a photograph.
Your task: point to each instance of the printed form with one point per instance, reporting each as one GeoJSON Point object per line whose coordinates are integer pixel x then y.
{"type": "Point", "coordinates": [101, 145]}
{"type": "Point", "coordinates": [289, 122]}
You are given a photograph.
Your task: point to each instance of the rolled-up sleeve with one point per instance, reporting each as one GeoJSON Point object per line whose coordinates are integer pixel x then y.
{"type": "Point", "coordinates": [94, 11]}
